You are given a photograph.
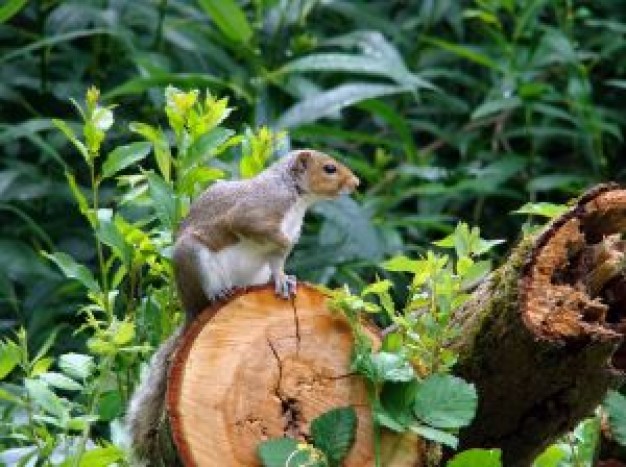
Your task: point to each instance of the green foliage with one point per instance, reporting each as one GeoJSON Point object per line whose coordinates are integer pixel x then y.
{"type": "Point", "coordinates": [409, 383]}
{"type": "Point", "coordinates": [332, 435]}
{"type": "Point", "coordinates": [576, 449]}
{"type": "Point", "coordinates": [130, 300]}
{"type": "Point", "coordinates": [476, 457]}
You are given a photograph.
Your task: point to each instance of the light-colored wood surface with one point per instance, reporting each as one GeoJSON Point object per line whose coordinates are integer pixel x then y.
{"type": "Point", "coordinates": [259, 367]}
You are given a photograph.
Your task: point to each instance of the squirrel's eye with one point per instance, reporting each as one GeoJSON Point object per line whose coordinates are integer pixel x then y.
{"type": "Point", "coordinates": [330, 168]}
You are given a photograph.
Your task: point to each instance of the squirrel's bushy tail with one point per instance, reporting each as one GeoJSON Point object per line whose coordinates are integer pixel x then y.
{"type": "Point", "coordinates": [146, 419]}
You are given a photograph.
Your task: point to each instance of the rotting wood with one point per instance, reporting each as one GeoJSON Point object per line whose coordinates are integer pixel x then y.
{"type": "Point", "coordinates": [542, 337]}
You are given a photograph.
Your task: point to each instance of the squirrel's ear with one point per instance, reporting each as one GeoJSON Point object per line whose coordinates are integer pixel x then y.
{"type": "Point", "coordinates": [302, 161]}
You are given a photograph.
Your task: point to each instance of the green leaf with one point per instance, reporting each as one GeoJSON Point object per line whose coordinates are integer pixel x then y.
{"type": "Point", "coordinates": [45, 398]}
{"type": "Point", "coordinates": [110, 406]}
{"type": "Point", "coordinates": [397, 400]}
{"type": "Point", "coordinates": [163, 199]}
{"type": "Point", "coordinates": [83, 205]}
{"type": "Point", "coordinates": [9, 357]}
{"type": "Point", "coordinates": [101, 457]}
{"type": "Point", "coordinates": [78, 366]}
{"type": "Point", "coordinates": [403, 264]}
{"type": "Point", "coordinates": [377, 288]}
{"type": "Point", "coordinates": [109, 234]}
{"type": "Point", "coordinates": [333, 433]}
{"type": "Point", "coordinates": [276, 452]}
{"type": "Point", "coordinates": [615, 406]}
{"type": "Point", "coordinates": [71, 136]}
{"type": "Point", "coordinates": [357, 64]}
{"type": "Point", "coordinates": [73, 270]}
{"type": "Point", "coordinates": [392, 367]}
{"type": "Point", "coordinates": [10, 9]}
{"type": "Point", "coordinates": [206, 145]}
{"type": "Point", "coordinates": [161, 146]}
{"type": "Point", "coordinates": [477, 457]}
{"type": "Point", "coordinates": [445, 401]}
{"type": "Point", "coordinates": [467, 52]}
{"type": "Point", "coordinates": [433, 434]}
{"type": "Point", "coordinates": [124, 156]}
{"type": "Point", "coordinates": [229, 17]}
{"type": "Point", "coordinates": [123, 332]}
{"type": "Point", "coordinates": [496, 106]}
{"type": "Point", "coordinates": [330, 102]}
{"type": "Point", "coordinates": [544, 209]}
{"type": "Point", "coordinates": [551, 457]}
{"type": "Point", "coordinates": [60, 381]}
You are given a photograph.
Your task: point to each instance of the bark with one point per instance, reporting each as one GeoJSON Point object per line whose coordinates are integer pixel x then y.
{"type": "Point", "coordinates": [259, 367]}
{"type": "Point", "coordinates": [541, 337]}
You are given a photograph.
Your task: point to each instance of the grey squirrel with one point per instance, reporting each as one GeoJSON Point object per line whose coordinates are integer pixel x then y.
{"type": "Point", "coordinates": [237, 234]}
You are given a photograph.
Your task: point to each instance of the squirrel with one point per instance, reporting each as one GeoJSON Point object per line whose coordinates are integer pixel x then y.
{"type": "Point", "coordinates": [237, 234]}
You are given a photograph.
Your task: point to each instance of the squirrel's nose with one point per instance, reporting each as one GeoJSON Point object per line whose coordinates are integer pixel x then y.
{"type": "Point", "coordinates": [354, 182]}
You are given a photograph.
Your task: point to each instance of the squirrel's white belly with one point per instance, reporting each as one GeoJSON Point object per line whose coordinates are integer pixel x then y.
{"type": "Point", "coordinates": [245, 263]}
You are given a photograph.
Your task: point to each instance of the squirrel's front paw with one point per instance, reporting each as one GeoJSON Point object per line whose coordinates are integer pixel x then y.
{"type": "Point", "coordinates": [285, 285]}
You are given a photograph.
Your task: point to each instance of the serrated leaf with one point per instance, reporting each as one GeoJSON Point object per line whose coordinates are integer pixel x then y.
{"type": "Point", "coordinates": [229, 18]}
{"type": "Point", "coordinates": [445, 401]}
{"type": "Point", "coordinates": [433, 434]}
{"type": "Point", "coordinates": [392, 367]}
{"type": "Point", "coordinates": [397, 400]}
{"type": "Point", "coordinates": [76, 365]}
{"type": "Point", "coordinates": [334, 432]}
{"type": "Point", "coordinates": [329, 102]}
{"type": "Point", "coordinates": [615, 406]}
{"type": "Point", "coordinates": [124, 156]}
{"type": "Point", "coordinates": [73, 270]}
{"type": "Point", "coordinates": [477, 457]}
{"type": "Point", "coordinates": [60, 381]}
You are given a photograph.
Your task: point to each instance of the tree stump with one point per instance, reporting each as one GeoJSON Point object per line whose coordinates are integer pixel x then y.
{"type": "Point", "coordinates": [542, 337]}
{"type": "Point", "coordinates": [259, 367]}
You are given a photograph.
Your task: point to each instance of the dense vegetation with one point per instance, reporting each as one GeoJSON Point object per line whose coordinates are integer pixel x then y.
{"type": "Point", "coordinates": [447, 110]}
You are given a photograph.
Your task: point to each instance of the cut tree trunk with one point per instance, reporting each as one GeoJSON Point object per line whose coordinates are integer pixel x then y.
{"type": "Point", "coordinates": [260, 367]}
{"type": "Point", "coordinates": [541, 337]}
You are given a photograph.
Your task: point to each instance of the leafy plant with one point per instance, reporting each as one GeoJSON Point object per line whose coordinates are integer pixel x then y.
{"type": "Point", "coordinates": [332, 437]}
{"type": "Point", "coordinates": [409, 383]}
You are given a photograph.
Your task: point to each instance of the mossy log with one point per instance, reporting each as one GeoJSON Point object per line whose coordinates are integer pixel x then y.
{"type": "Point", "coordinates": [542, 337]}
{"type": "Point", "coordinates": [259, 367]}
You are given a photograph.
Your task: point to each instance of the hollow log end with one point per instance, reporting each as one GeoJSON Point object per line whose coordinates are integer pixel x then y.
{"type": "Point", "coordinates": [573, 288]}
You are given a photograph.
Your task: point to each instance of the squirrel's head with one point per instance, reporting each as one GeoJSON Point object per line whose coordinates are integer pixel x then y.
{"type": "Point", "coordinates": [321, 175]}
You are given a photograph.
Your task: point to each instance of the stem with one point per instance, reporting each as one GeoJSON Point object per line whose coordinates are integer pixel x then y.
{"type": "Point", "coordinates": [84, 437]}
{"type": "Point", "coordinates": [374, 402]}
{"type": "Point", "coordinates": [103, 275]}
